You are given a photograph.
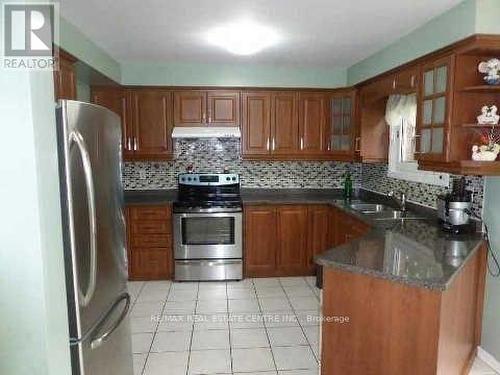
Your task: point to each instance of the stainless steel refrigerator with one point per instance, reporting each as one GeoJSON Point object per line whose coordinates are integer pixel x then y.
{"type": "Point", "coordinates": [89, 151]}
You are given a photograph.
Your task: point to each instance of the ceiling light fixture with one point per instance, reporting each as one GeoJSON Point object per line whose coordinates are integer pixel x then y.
{"type": "Point", "coordinates": [243, 37]}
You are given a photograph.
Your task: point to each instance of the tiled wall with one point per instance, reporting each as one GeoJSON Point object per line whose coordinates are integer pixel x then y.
{"type": "Point", "coordinates": [374, 177]}
{"type": "Point", "coordinates": [213, 155]}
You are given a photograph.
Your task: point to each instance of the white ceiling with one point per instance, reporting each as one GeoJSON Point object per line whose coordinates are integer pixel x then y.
{"type": "Point", "coordinates": [316, 33]}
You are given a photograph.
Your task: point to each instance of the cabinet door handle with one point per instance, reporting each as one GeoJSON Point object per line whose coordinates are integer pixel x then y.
{"type": "Point", "coordinates": [394, 84]}
{"type": "Point", "coordinates": [412, 81]}
{"type": "Point", "coordinates": [135, 144]}
{"type": "Point", "coordinates": [274, 145]}
{"type": "Point", "coordinates": [301, 143]}
{"type": "Point", "coordinates": [415, 139]}
{"type": "Point", "coordinates": [128, 146]}
{"type": "Point", "coordinates": [357, 143]}
{"type": "Point", "coordinates": [267, 144]}
{"type": "Point", "coordinates": [209, 117]}
{"type": "Point", "coordinates": [204, 118]}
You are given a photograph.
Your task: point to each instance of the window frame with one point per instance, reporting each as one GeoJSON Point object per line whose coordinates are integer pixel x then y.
{"type": "Point", "coordinates": [408, 171]}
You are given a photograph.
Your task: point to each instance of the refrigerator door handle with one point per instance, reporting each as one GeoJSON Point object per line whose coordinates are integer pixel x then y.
{"type": "Point", "coordinates": [96, 342]}
{"type": "Point", "coordinates": [76, 138]}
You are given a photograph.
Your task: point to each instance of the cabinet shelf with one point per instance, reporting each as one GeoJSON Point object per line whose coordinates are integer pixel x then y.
{"type": "Point", "coordinates": [481, 88]}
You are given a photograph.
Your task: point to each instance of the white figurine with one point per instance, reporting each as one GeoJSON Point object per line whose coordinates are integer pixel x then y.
{"type": "Point", "coordinates": [488, 115]}
{"type": "Point", "coordinates": [485, 153]}
{"type": "Point", "coordinates": [492, 69]}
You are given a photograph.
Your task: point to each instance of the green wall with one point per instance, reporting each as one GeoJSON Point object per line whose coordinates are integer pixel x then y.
{"type": "Point", "coordinates": [468, 18]}
{"type": "Point", "coordinates": [488, 16]}
{"type": "Point", "coordinates": [456, 24]}
{"type": "Point", "coordinates": [229, 75]}
{"type": "Point", "coordinates": [76, 43]}
{"type": "Point", "coordinates": [34, 335]}
{"type": "Point", "coordinates": [491, 319]}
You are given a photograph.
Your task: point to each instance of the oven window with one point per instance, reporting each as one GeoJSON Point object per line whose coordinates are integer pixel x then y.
{"type": "Point", "coordinates": [208, 231]}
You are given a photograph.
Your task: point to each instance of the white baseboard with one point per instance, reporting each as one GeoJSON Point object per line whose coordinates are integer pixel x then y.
{"type": "Point", "coordinates": [488, 359]}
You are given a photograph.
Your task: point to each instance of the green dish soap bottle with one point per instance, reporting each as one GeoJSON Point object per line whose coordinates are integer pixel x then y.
{"type": "Point", "coordinates": [347, 186]}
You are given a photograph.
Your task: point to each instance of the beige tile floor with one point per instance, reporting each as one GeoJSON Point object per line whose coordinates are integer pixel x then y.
{"type": "Point", "coordinates": [263, 326]}
{"type": "Point", "coordinates": [256, 326]}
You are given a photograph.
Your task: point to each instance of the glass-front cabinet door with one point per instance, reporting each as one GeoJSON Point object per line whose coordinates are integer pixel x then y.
{"type": "Point", "coordinates": [341, 134]}
{"type": "Point", "coordinates": [433, 110]}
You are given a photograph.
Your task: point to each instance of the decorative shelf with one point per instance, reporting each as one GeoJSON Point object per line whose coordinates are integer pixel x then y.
{"type": "Point", "coordinates": [481, 88]}
{"type": "Point", "coordinates": [479, 126]}
{"type": "Point", "coordinates": [464, 167]}
{"type": "Point", "coordinates": [480, 168]}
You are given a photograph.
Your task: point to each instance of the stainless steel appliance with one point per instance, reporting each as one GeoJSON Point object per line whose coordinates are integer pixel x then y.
{"type": "Point", "coordinates": [89, 144]}
{"type": "Point", "coordinates": [454, 209]}
{"type": "Point", "coordinates": [208, 227]}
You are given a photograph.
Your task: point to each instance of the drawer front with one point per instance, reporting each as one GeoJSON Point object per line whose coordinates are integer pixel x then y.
{"type": "Point", "coordinates": [150, 264]}
{"type": "Point", "coordinates": [150, 213]}
{"type": "Point", "coordinates": [152, 240]}
{"type": "Point", "coordinates": [151, 227]}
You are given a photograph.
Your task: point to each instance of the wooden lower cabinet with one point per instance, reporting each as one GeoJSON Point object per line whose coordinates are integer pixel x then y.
{"type": "Point", "coordinates": [398, 329]}
{"type": "Point", "coordinates": [348, 228]}
{"type": "Point", "coordinates": [292, 250]}
{"type": "Point", "coordinates": [319, 234]}
{"type": "Point", "coordinates": [281, 240]}
{"type": "Point", "coordinates": [149, 230]}
{"type": "Point", "coordinates": [260, 240]}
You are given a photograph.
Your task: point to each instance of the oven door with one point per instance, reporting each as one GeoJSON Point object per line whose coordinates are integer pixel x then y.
{"type": "Point", "coordinates": [208, 235]}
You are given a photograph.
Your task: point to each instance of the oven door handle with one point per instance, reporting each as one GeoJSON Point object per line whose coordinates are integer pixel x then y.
{"type": "Point", "coordinates": [208, 262]}
{"type": "Point", "coordinates": [208, 214]}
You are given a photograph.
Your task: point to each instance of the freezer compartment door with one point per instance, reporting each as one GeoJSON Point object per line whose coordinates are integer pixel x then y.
{"type": "Point", "coordinates": [106, 349]}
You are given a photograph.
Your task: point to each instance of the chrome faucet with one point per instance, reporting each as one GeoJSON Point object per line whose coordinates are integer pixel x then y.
{"type": "Point", "coordinates": [401, 200]}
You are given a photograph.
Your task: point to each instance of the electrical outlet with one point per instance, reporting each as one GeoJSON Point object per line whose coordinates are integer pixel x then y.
{"type": "Point", "coordinates": [142, 174]}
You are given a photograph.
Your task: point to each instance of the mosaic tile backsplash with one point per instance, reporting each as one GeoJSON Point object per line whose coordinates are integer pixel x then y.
{"type": "Point", "coordinates": [374, 177]}
{"type": "Point", "coordinates": [212, 155]}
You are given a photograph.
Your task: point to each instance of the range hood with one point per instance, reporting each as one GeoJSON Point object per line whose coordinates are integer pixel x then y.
{"type": "Point", "coordinates": [206, 132]}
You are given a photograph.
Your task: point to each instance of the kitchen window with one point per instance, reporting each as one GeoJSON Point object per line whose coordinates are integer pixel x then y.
{"type": "Point", "coordinates": [401, 116]}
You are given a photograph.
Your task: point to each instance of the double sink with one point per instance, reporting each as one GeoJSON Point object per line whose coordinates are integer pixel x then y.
{"type": "Point", "coordinates": [383, 213]}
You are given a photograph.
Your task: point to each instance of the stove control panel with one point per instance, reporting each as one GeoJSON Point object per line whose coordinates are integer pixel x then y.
{"type": "Point", "coordinates": [209, 179]}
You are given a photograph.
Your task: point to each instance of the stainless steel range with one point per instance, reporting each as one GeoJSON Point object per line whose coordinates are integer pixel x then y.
{"type": "Point", "coordinates": [208, 228]}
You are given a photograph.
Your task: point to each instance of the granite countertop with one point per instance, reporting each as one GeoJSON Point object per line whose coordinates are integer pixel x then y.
{"type": "Point", "coordinates": [150, 196]}
{"type": "Point", "coordinates": [413, 252]}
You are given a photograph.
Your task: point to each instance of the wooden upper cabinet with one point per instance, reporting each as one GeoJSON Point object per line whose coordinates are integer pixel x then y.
{"type": "Point", "coordinates": [190, 108]}
{"type": "Point", "coordinates": [146, 118]}
{"type": "Point", "coordinates": [293, 257]}
{"type": "Point", "coordinates": [433, 110]}
{"type": "Point", "coordinates": [152, 123]}
{"type": "Point", "coordinates": [407, 80]}
{"type": "Point", "coordinates": [115, 99]}
{"type": "Point", "coordinates": [206, 108]}
{"type": "Point", "coordinates": [260, 240]}
{"type": "Point", "coordinates": [256, 124]}
{"type": "Point", "coordinates": [65, 78]}
{"type": "Point", "coordinates": [223, 108]}
{"type": "Point", "coordinates": [285, 124]}
{"type": "Point", "coordinates": [378, 89]}
{"type": "Point", "coordinates": [342, 140]}
{"type": "Point", "coordinates": [312, 122]}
